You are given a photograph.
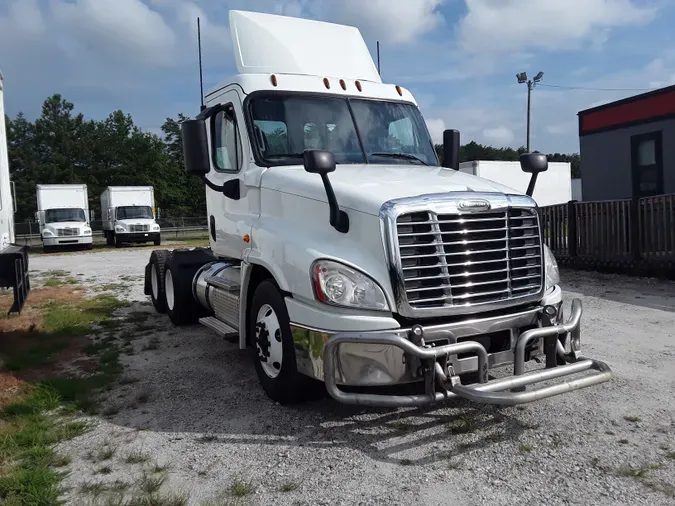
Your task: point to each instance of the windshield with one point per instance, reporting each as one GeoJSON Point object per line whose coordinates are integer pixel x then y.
{"type": "Point", "coordinates": [354, 130]}
{"type": "Point", "coordinates": [134, 212]}
{"type": "Point", "coordinates": [66, 214]}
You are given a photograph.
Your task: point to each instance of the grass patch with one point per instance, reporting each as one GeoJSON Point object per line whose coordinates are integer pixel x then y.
{"type": "Point", "coordinates": [106, 453]}
{"type": "Point", "coordinates": [290, 486]}
{"type": "Point", "coordinates": [52, 282]}
{"type": "Point", "coordinates": [156, 500]}
{"type": "Point", "coordinates": [524, 448]}
{"type": "Point", "coordinates": [242, 488]}
{"type": "Point", "coordinates": [137, 457]}
{"type": "Point", "coordinates": [105, 470]}
{"type": "Point", "coordinates": [151, 484]}
{"type": "Point", "coordinates": [465, 425]}
{"type": "Point", "coordinates": [639, 472]}
{"type": "Point", "coordinates": [632, 418]}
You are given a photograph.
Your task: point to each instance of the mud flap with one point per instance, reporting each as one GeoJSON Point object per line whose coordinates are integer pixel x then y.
{"type": "Point", "coordinates": [14, 274]}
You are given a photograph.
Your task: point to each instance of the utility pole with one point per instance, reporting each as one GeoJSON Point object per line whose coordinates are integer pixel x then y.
{"type": "Point", "coordinates": [531, 83]}
{"type": "Point", "coordinates": [378, 57]}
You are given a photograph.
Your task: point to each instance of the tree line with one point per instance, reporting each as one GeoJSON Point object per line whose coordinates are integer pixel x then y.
{"type": "Point", "coordinates": [62, 147]}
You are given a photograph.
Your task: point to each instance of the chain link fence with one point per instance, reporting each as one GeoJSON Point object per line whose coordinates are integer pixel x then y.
{"type": "Point", "coordinates": [28, 232]}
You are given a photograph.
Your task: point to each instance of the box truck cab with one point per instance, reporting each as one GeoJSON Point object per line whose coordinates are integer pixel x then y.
{"type": "Point", "coordinates": [63, 215]}
{"type": "Point", "coordinates": [13, 258]}
{"type": "Point", "coordinates": [128, 214]}
{"type": "Point", "coordinates": [342, 251]}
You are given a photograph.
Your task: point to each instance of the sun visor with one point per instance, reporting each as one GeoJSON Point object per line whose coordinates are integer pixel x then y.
{"type": "Point", "coordinates": [271, 44]}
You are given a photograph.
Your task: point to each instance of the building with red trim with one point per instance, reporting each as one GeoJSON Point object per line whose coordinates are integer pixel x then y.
{"type": "Point", "coordinates": [628, 147]}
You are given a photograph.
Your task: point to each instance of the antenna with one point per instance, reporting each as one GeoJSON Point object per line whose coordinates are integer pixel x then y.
{"type": "Point", "coordinates": [201, 78]}
{"type": "Point", "coordinates": [378, 57]}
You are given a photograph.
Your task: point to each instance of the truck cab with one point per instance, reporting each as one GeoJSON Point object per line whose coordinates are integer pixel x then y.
{"type": "Point", "coordinates": [342, 250]}
{"type": "Point", "coordinates": [63, 215]}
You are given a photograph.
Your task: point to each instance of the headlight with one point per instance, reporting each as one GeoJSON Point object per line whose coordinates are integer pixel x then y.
{"type": "Point", "coordinates": [551, 266]}
{"type": "Point", "coordinates": [87, 231]}
{"type": "Point", "coordinates": [119, 228]}
{"type": "Point", "coordinates": [47, 233]}
{"type": "Point", "coordinates": [338, 284]}
{"type": "Point", "coordinates": [155, 227]}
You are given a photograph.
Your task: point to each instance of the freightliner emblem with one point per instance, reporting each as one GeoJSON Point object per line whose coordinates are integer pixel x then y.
{"type": "Point", "coordinates": [473, 205]}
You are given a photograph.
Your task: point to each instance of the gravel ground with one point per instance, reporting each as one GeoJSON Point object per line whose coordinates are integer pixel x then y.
{"type": "Point", "coordinates": [192, 403]}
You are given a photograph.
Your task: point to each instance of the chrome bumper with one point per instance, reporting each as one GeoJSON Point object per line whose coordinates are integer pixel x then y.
{"type": "Point", "coordinates": [442, 382]}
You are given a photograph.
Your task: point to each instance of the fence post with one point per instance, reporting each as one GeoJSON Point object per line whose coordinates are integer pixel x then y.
{"type": "Point", "coordinates": [572, 232]}
{"type": "Point", "coordinates": [635, 239]}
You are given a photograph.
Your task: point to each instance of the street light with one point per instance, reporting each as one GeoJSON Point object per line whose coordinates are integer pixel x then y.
{"type": "Point", "coordinates": [531, 83]}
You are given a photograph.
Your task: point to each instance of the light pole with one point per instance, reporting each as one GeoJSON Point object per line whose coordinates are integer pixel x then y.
{"type": "Point", "coordinates": [531, 83]}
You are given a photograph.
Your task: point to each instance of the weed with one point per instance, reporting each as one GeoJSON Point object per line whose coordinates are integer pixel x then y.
{"type": "Point", "coordinates": [670, 455]}
{"type": "Point", "coordinates": [151, 484]}
{"type": "Point", "coordinates": [454, 464]}
{"type": "Point", "coordinates": [241, 488]}
{"type": "Point", "coordinates": [136, 457]}
{"type": "Point", "coordinates": [61, 460]}
{"type": "Point", "coordinates": [95, 488]}
{"type": "Point", "coordinates": [105, 470]}
{"type": "Point", "coordinates": [520, 407]}
{"type": "Point", "coordinates": [406, 462]}
{"type": "Point", "coordinates": [289, 487]}
{"type": "Point", "coordinates": [464, 425]}
{"type": "Point", "coordinates": [159, 468]}
{"type": "Point", "coordinates": [639, 472]}
{"type": "Point", "coordinates": [143, 397]}
{"type": "Point", "coordinates": [106, 453]}
{"type": "Point", "coordinates": [158, 500]}
{"type": "Point", "coordinates": [632, 418]}
{"type": "Point", "coordinates": [524, 448]}
{"type": "Point", "coordinates": [111, 287]}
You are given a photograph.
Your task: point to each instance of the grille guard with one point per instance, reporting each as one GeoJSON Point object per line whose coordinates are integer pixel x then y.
{"type": "Point", "coordinates": [441, 385]}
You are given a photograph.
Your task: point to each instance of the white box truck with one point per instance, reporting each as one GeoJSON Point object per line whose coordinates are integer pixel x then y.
{"type": "Point", "coordinates": [63, 215]}
{"type": "Point", "coordinates": [128, 214]}
{"type": "Point", "coordinates": [342, 251]}
{"type": "Point", "coordinates": [13, 258]}
{"type": "Point", "coordinates": [553, 187]}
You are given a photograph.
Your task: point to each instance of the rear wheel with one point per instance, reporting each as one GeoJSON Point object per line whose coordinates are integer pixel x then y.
{"type": "Point", "coordinates": [158, 259]}
{"type": "Point", "coordinates": [274, 352]}
{"type": "Point", "coordinates": [181, 267]}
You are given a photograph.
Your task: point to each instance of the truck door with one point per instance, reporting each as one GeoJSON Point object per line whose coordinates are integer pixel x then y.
{"type": "Point", "coordinates": [229, 214]}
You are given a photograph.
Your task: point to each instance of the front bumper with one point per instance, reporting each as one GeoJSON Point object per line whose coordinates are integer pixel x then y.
{"type": "Point", "coordinates": [440, 366]}
{"type": "Point", "coordinates": [66, 240]}
{"type": "Point", "coordinates": [137, 236]}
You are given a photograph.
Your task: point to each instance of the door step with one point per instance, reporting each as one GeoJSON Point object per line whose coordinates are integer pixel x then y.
{"type": "Point", "coordinates": [228, 333]}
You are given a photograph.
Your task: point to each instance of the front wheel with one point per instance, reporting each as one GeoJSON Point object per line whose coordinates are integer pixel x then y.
{"type": "Point", "coordinates": [118, 241]}
{"type": "Point", "coordinates": [274, 353]}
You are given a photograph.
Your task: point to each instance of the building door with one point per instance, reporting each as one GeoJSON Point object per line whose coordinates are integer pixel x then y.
{"type": "Point", "coordinates": [647, 164]}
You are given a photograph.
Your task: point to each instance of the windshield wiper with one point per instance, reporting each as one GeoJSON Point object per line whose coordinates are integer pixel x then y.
{"type": "Point", "coordinates": [286, 155]}
{"type": "Point", "coordinates": [404, 156]}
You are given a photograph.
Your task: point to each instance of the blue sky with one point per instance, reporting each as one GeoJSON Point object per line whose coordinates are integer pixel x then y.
{"type": "Point", "coordinates": [458, 57]}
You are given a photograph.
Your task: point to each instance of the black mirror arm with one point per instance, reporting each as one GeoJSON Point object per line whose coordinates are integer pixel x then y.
{"type": "Point", "coordinates": [229, 190]}
{"type": "Point", "coordinates": [531, 185]}
{"type": "Point", "coordinates": [338, 218]}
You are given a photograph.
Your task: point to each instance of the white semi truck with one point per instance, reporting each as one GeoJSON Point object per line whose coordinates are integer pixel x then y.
{"type": "Point", "coordinates": [128, 214]}
{"type": "Point", "coordinates": [63, 215]}
{"type": "Point", "coordinates": [13, 258]}
{"type": "Point", "coordinates": [342, 251]}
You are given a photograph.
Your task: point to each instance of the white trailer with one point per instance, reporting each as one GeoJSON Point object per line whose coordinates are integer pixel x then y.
{"type": "Point", "coordinates": [13, 258]}
{"type": "Point", "coordinates": [342, 251]}
{"type": "Point", "coordinates": [63, 215]}
{"type": "Point", "coordinates": [128, 214]}
{"type": "Point", "coordinates": [553, 187]}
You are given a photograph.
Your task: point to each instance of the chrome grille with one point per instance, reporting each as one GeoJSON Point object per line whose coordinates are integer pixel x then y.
{"type": "Point", "coordinates": [67, 231]}
{"type": "Point", "coordinates": [451, 260]}
{"type": "Point", "coordinates": [139, 228]}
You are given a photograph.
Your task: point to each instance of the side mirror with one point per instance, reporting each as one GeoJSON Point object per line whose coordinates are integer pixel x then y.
{"type": "Point", "coordinates": [317, 161]}
{"type": "Point", "coordinates": [321, 162]}
{"type": "Point", "coordinates": [533, 163]}
{"type": "Point", "coordinates": [195, 147]}
{"type": "Point", "coordinates": [451, 149]}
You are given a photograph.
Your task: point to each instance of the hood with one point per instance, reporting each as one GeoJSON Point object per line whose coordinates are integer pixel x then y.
{"type": "Point", "coordinates": [366, 187]}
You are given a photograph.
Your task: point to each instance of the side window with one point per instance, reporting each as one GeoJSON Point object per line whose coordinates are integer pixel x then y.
{"type": "Point", "coordinates": [226, 142]}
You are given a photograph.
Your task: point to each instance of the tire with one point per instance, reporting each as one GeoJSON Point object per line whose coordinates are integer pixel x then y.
{"type": "Point", "coordinates": [47, 249]}
{"type": "Point", "coordinates": [109, 239]}
{"type": "Point", "coordinates": [158, 259]}
{"type": "Point", "coordinates": [158, 241]}
{"type": "Point", "coordinates": [89, 246]}
{"type": "Point", "coordinates": [181, 305]}
{"type": "Point", "coordinates": [118, 241]}
{"type": "Point", "coordinates": [274, 355]}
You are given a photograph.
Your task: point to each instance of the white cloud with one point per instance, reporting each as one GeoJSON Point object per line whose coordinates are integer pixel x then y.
{"type": "Point", "coordinates": [509, 25]}
{"type": "Point", "coordinates": [436, 127]}
{"type": "Point", "coordinates": [499, 136]}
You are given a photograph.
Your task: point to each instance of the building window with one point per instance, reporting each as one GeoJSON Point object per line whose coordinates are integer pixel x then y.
{"type": "Point", "coordinates": [647, 164]}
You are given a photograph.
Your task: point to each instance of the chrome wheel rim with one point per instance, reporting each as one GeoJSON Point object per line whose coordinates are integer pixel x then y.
{"type": "Point", "coordinates": [268, 341]}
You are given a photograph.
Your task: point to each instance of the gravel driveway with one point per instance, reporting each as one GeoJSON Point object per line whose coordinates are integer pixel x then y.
{"type": "Point", "coordinates": [191, 403]}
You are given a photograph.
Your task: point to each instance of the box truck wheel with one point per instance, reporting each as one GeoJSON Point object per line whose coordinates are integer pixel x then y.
{"type": "Point", "coordinates": [181, 305]}
{"type": "Point", "coordinates": [118, 241]}
{"type": "Point", "coordinates": [109, 238]}
{"type": "Point", "coordinates": [158, 260]}
{"type": "Point", "coordinates": [273, 350]}
{"type": "Point", "coordinates": [158, 241]}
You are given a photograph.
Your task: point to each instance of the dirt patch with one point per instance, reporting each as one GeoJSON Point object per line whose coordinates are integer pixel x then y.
{"type": "Point", "coordinates": [11, 389]}
{"type": "Point", "coordinates": [32, 315]}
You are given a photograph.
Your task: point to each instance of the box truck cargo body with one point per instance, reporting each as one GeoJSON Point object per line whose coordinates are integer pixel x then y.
{"type": "Point", "coordinates": [553, 186]}
{"type": "Point", "coordinates": [13, 258]}
{"type": "Point", "coordinates": [63, 215]}
{"type": "Point", "coordinates": [128, 214]}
